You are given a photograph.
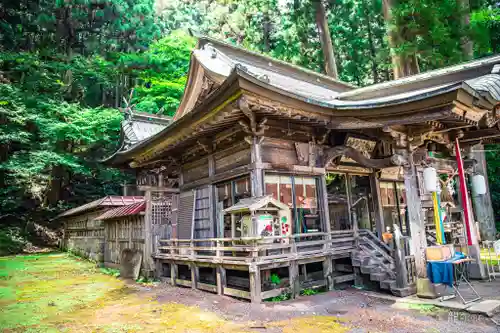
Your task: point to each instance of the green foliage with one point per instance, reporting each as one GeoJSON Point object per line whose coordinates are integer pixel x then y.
{"type": "Point", "coordinates": [309, 292]}
{"type": "Point", "coordinates": [485, 30]}
{"type": "Point", "coordinates": [275, 279]}
{"type": "Point", "coordinates": [11, 241]}
{"type": "Point", "coordinates": [110, 271]}
{"type": "Point", "coordinates": [282, 297]}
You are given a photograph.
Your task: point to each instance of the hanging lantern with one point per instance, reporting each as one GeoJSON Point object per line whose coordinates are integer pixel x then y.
{"type": "Point", "coordinates": [430, 179]}
{"type": "Point", "coordinates": [478, 184]}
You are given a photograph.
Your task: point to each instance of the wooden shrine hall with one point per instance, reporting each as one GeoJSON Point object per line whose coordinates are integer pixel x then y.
{"type": "Point", "coordinates": [285, 179]}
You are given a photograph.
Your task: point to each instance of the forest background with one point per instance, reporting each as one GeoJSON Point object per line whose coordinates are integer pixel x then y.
{"type": "Point", "coordinates": [66, 66]}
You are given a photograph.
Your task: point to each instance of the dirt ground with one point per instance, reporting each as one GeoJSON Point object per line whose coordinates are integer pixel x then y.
{"type": "Point", "coordinates": [60, 293]}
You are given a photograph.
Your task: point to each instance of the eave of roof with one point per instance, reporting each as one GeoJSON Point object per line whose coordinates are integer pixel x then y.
{"type": "Point", "coordinates": [109, 201]}
{"type": "Point", "coordinates": [311, 76]}
{"type": "Point", "coordinates": [451, 74]}
{"type": "Point", "coordinates": [128, 210]}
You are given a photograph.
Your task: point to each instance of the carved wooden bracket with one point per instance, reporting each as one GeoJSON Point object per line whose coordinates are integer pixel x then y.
{"type": "Point", "coordinates": [332, 153]}
{"type": "Point", "coordinates": [251, 127]}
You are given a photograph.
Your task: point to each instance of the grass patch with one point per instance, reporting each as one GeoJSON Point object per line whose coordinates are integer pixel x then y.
{"type": "Point", "coordinates": [61, 293]}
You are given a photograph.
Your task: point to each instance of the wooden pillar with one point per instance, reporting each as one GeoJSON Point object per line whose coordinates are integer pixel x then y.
{"type": "Point", "coordinates": [255, 284]}
{"type": "Point", "coordinates": [293, 273]}
{"type": "Point", "coordinates": [483, 209]}
{"type": "Point", "coordinates": [323, 205]}
{"type": "Point", "coordinates": [174, 271]}
{"type": "Point", "coordinates": [257, 174]}
{"type": "Point", "coordinates": [195, 274]}
{"type": "Point", "coordinates": [148, 234]}
{"type": "Point", "coordinates": [377, 204]}
{"type": "Point", "coordinates": [400, 260]}
{"type": "Point", "coordinates": [221, 279]}
{"type": "Point", "coordinates": [414, 207]}
{"type": "Point", "coordinates": [328, 272]}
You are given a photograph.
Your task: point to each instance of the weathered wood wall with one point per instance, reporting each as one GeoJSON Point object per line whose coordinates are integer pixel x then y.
{"type": "Point", "coordinates": [85, 236]}
{"type": "Point", "coordinates": [123, 233]}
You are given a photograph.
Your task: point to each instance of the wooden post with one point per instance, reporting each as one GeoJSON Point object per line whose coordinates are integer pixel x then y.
{"type": "Point", "coordinates": [148, 234]}
{"type": "Point", "coordinates": [195, 274]}
{"type": "Point", "coordinates": [221, 279]}
{"type": "Point", "coordinates": [328, 272]}
{"type": "Point", "coordinates": [257, 174]}
{"type": "Point", "coordinates": [255, 284]}
{"type": "Point", "coordinates": [323, 206]}
{"type": "Point", "coordinates": [377, 204]}
{"type": "Point", "coordinates": [293, 272]}
{"type": "Point", "coordinates": [414, 207]}
{"type": "Point", "coordinates": [173, 273]}
{"type": "Point", "coordinates": [400, 259]}
{"type": "Point", "coordinates": [483, 208]}
{"type": "Point", "coordinates": [233, 226]}
{"type": "Point", "coordinates": [129, 232]}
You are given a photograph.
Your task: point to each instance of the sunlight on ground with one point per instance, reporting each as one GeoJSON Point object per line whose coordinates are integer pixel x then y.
{"type": "Point", "coordinates": [316, 324]}
{"type": "Point", "coordinates": [59, 293]}
{"type": "Point", "coordinates": [51, 293]}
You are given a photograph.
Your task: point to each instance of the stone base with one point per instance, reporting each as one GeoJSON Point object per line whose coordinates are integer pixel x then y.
{"type": "Point", "coordinates": [403, 292]}
{"type": "Point", "coordinates": [476, 270]}
{"type": "Point", "coordinates": [425, 288]}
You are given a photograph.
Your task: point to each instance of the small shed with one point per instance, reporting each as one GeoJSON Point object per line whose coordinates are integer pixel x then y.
{"type": "Point", "coordinates": [260, 216]}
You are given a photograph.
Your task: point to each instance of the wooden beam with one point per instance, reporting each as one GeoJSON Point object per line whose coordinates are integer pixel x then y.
{"type": "Point", "coordinates": [332, 153]}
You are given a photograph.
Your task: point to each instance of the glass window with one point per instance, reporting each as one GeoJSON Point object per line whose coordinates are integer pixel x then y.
{"type": "Point", "coordinates": [393, 198]}
{"type": "Point", "coordinates": [301, 195]}
{"type": "Point", "coordinates": [337, 201]}
{"type": "Point", "coordinates": [228, 194]}
{"type": "Point", "coordinates": [362, 202]}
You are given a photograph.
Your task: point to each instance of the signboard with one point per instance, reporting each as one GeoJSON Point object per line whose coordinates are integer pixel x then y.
{"type": "Point", "coordinates": [265, 225]}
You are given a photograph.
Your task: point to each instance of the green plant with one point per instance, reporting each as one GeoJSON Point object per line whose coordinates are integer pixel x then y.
{"type": "Point", "coordinates": [309, 292]}
{"type": "Point", "coordinates": [110, 271]}
{"type": "Point", "coordinates": [275, 279]}
{"type": "Point", "coordinates": [282, 297]}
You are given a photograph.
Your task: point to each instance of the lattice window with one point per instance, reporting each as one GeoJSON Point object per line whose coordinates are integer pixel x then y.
{"type": "Point", "coordinates": [161, 208]}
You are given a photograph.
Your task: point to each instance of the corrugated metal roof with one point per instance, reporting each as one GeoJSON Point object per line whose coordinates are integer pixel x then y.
{"type": "Point", "coordinates": [111, 200]}
{"type": "Point", "coordinates": [128, 210]}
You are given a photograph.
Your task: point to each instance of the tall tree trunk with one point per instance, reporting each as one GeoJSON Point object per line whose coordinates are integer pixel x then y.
{"type": "Point", "coordinates": [402, 64]}
{"type": "Point", "coordinates": [467, 45]}
{"type": "Point", "coordinates": [373, 52]}
{"type": "Point", "coordinates": [326, 40]}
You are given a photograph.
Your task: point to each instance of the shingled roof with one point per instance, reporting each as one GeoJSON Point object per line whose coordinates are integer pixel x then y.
{"type": "Point", "coordinates": [109, 201]}
{"type": "Point", "coordinates": [223, 72]}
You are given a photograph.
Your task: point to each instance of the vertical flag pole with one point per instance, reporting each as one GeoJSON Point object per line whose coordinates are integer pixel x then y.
{"type": "Point", "coordinates": [463, 192]}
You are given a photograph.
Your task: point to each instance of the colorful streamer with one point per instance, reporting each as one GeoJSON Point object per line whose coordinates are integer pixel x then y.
{"type": "Point", "coordinates": [437, 222]}
{"type": "Point", "coordinates": [441, 222]}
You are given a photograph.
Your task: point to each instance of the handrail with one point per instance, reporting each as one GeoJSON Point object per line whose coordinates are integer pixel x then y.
{"type": "Point", "coordinates": [257, 238]}
{"type": "Point", "coordinates": [256, 250]}
{"type": "Point", "coordinates": [374, 237]}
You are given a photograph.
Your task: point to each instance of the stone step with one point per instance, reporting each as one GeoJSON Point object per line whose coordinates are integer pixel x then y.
{"type": "Point", "coordinates": [379, 277]}
{"type": "Point", "coordinates": [403, 292]}
{"type": "Point", "coordinates": [388, 284]}
{"type": "Point", "coordinates": [366, 269]}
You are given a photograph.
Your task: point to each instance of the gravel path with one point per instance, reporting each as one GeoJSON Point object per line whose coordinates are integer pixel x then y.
{"type": "Point", "coordinates": [355, 308]}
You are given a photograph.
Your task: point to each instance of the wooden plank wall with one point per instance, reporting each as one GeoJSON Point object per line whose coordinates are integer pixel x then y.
{"type": "Point", "coordinates": [123, 233]}
{"type": "Point", "coordinates": [234, 157]}
{"type": "Point", "coordinates": [185, 214]}
{"type": "Point", "coordinates": [85, 236]}
{"type": "Point", "coordinates": [279, 152]}
{"type": "Point", "coordinates": [203, 225]}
